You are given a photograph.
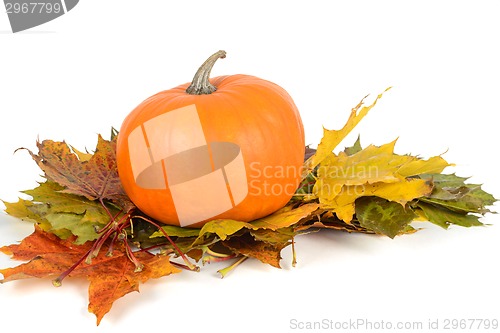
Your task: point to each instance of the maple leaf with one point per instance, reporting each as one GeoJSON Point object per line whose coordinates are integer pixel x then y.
{"type": "Point", "coordinates": [82, 192]}
{"type": "Point", "coordinates": [452, 192]}
{"type": "Point", "coordinates": [222, 228]}
{"type": "Point", "coordinates": [453, 201]}
{"type": "Point", "coordinates": [175, 231]}
{"type": "Point", "coordinates": [83, 157]}
{"type": "Point", "coordinates": [280, 236]}
{"type": "Point", "coordinates": [262, 239]}
{"type": "Point", "coordinates": [383, 216]}
{"type": "Point", "coordinates": [287, 216]}
{"type": "Point", "coordinates": [343, 204]}
{"type": "Point", "coordinates": [265, 238]}
{"type": "Point", "coordinates": [110, 277]}
{"type": "Point", "coordinates": [355, 148]}
{"type": "Point", "coordinates": [332, 138]}
{"type": "Point", "coordinates": [62, 213]}
{"type": "Point", "coordinates": [246, 245]}
{"type": "Point", "coordinates": [379, 180]}
{"type": "Point", "coordinates": [77, 214]}
{"type": "Point", "coordinates": [371, 165]}
{"type": "Point", "coordinates": [444, 217]}
{"type": "Point", "coordinates": [95, 177]}
{"type": "Point", "coordinates": [375, 171]}
{"type": "Point", "coordinates": [27, 210]}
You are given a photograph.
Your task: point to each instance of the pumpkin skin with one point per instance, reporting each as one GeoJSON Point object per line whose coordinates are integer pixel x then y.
{"type": "Point", "coordinates": [247, 117]}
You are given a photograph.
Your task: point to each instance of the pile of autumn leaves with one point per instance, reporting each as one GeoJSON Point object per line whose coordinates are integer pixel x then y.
{"type": "Point", "coordinates": [370, 190]}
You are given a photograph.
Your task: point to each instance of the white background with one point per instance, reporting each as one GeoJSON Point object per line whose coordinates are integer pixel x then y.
{"type": "Point", "coordinates": [78, 75]}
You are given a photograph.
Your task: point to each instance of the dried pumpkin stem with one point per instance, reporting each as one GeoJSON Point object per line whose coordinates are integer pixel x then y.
{"type": "Point", "coordinates": [201, 84]}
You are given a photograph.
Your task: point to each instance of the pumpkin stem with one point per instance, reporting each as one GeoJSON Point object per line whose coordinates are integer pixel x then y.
{"type": "Point", "coordinates": [201, 84]}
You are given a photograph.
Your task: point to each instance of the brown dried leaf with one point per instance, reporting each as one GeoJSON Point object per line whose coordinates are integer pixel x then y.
{"type": "Point", "coordinates": [246, 245]}
{"type": "Point", "coordinates": [93, 178]}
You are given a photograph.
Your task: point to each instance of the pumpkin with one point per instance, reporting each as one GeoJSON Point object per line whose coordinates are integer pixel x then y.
{"type": "Point", "coordinates": [229, 147]}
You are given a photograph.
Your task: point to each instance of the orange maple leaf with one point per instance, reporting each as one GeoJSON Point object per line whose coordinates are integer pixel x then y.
{"type": "Point", "coordinates": [110, 277]}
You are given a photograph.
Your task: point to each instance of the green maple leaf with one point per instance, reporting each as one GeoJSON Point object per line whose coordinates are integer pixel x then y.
{"type": "Point", "coordinates": [175, 231]}
{"type": "Point", "coordinates": [383, 216]}
{"type": "Point", "coordinates": [74, 223]}
{"type": "Point", "coordinates": [451, 192]}
{"type": "Point", "coordinates": [60, 212]}
{"type": "Point", "coordinates": [453, 201]}
{"type": "Point", "coordinates": [355, 148]}
{"type": "Point", "coordinates": [53, 195]}
{"type": "Point", "coordinates": [444, 217]}
{"type": "Point", "coordinates": [26, 210]}
{"type": "Point", "coordinates": [81, 194]}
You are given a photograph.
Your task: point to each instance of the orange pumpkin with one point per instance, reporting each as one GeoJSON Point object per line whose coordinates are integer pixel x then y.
{"type": "Point", "coordinates": [230, 147]}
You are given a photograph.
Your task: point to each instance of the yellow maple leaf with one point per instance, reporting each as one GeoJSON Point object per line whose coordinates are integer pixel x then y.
{"type": "Point", "coordinates": [373, 171]}
{"type": "Point", "coordinates": [331, 138]}
{"type": "Point", "coordinates": [285, 217]}
{"type": "Point", "coordinates": [418, 166]}
{"type": "Point", "coordinates": [343, 204]}
{"type": "Point", "coordinates": [371, 165]}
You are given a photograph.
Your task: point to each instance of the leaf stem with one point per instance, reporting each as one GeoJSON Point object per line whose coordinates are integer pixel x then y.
{"type": "Point", "coordinates": [114, 227]}
{"type": "Point", "coordinates": [210, 259]}
{"type": "Point", "coordinates": [217, 254]}
{"type": "Point", "coordinates": [112, 245]}
{"type": "Point", "coordinates": [96, 247]}
{"type": "Point", "coordinates": [223, 272]}
{"type": "Point", "coordinates": [181, 266]}
{"type": "Point", "coordinates": [130, 254]}
{"type": "Point", "coordinates": [190, 265]}
{"type": "Point", "coordinates": [112, 219]}
{"type": "Point", "coordinates": [57, 282]}
{"type": "Point", "coordinates": [211, 256]}
{"type": "Point", "coordinates": [101, 200]}
{"type": "Point", "coordinates": [152, 247]}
